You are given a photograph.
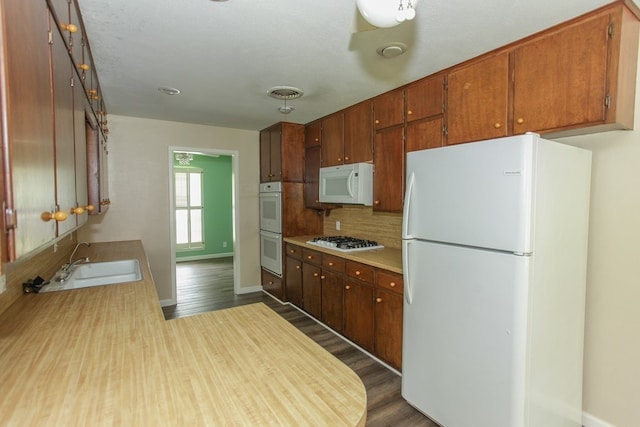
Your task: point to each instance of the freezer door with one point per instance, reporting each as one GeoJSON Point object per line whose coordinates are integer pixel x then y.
{"type": "Point", "coordinates": [464, 334]}
{"type": "Point", "coordinates": [477, 194]}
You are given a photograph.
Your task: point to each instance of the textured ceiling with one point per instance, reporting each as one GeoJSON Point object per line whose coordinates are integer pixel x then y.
{"type": "Point", "coordinates": [224, 56]}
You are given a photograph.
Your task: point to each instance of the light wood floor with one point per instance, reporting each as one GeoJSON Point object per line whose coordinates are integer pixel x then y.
{"type": "Point", "coordinates": [208, 285]}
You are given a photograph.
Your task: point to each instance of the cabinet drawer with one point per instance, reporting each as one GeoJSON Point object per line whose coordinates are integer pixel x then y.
{"type": "Point", "coordinates": [311, 256]}
{"type": "Point", "coordinates": [389, 280]}
{"type": "Point", "coordinates": [360, 271]}
{"type": "Point", "coordinates": [272, 284]}
{"type": "Point", "coordinates": [333, 263]}
{"type": "Point", "coordinates": [293, 251]}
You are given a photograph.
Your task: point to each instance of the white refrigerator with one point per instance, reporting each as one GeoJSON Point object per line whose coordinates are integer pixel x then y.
{"type": "Point", "coordinates": [494, 254]}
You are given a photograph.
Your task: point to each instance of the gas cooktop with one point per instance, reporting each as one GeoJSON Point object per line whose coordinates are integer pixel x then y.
{"type": "Point", "coordinates": [345, 243]}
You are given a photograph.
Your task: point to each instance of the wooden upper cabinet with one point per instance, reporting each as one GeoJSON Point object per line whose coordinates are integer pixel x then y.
{"type": "Point", "coordinates": [567, 78]}
{"type": "Point", "coordinates": [388, 175]}
{"type": "Point", "coordinates": [282, 153]}
{"type": "Point", "coordinates": [425, 98]}
{"type": "Point", "coordinates": [312, 134]}
{"type": "Point", "coordinates": [425, 134]}
{"type": "Point", "coordinates": [333, 140]}
{"type": "Point", "coordinates": [358, 133]}
{"type": "Point", "coordinates": [477, 100]}
{"type": "Point", "coordinates": [312, 178]}
{"type": "Point", "coordinates": [388, 109]}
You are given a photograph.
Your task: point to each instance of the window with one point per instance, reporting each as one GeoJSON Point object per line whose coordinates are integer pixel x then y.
{"type": "Point", "coordinates": [189, 209]}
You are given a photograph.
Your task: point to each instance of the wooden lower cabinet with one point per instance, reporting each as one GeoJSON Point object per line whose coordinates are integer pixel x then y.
{"type": "Point", "coordinates": [293, 280]}
{"type": "Point", "coordinates": [332, 300]}
{"type": "Point", "coordinates": [388, 327]}
{"type": "Point", "coordinates": [361, 302]}
{"type": "Point", "coordinates": [272, 284]}
{"type": "Point", "coordinates": [359, 313]}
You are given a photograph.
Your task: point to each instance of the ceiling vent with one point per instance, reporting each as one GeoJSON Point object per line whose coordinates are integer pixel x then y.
{"type": "Point", "coordinates": [285, 92]}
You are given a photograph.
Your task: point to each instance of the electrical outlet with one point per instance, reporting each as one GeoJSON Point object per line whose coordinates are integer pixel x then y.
{"type": "Point", "coordinates": [338, 225]}
{"type": "Point", "coordinates": [224, 244]}
{"type": "Point", "coordinates": [3, 284]}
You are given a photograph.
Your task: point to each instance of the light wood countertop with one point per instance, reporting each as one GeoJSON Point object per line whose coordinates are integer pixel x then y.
{"type": "Point", "coordinates": [106, 356]}
{"type": "Point", "coordinates": [387, 258]}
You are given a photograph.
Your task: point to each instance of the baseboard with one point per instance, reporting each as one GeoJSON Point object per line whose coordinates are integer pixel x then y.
{"type": "Point", "coordinates": [589, 420]}
{"type": "Point", "coordinates": [202, 257]}
{"type": "Point", "coordinates": [249, 290]}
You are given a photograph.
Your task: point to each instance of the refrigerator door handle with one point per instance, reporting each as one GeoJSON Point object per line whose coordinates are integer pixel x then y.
{"type": "Point", "coordinates": [408, 292]}
{"type": "Point", "coordinates": [407, 207]}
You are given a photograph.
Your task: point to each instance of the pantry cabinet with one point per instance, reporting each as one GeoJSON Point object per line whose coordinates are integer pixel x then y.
{"type": "Point", "coordinates": [478, 100]}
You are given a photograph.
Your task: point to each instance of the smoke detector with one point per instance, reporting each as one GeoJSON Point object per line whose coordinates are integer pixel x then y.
{"type": "Point", "coordinates": [391, 50]}
{"type": "Point", "coordinates": [285, 93]}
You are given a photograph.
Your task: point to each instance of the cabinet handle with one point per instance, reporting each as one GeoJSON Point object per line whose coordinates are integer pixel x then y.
{"type": "Point", "coordinates": [358, 272]}
{"type": "Point", "coordinates": [291, 251]}
{"type": "Point", "coordinates": [58, 216]}
{"type": "Point", "coordinates": [347, 287]}
{"type": "Point", "coordinates": [298, 267]}
{"type": "Point", "coordinates": [409, 112]}
{"type": "Point", "coordinates": [322, 277]}
{"type": "Point", "coordinates": [392, 284]}
{"type": "Point", "coordinates": [520, 121]}
{"type": "Point", "coordinates": [317, 201]}
{"type": "Point", "coordinates": [77, 211]}
{"type": "Point", "coordinates": [317, 139]}
{"type": "Point", "coordinates": [378, 299]}
{"type": "Point", "coordinates": [271, 283]}
{"type": "Point", "coordinates": [330, 263]}
{"type": "Point", "coordinates": [309, 256]}
{"type": "Point", "coordinates": [377, 121]}
{"type": "Point", "coordinates": [84, 67]}
{"type": "Point", "coordinates": [377, 202]}
{"type": "Point", "coordinates": [93, 92]}
{"type": "Point", "coordinates": [346, 157]}
{"type": "Point", "coordinates": [339, 159]}
{"type": "Point", "coordinates": [69, 27]}
{"type": "Point", "coordinates": [497, 125]}
{"type": "Point", "coordinates": [315, 274]}
{"type": "Point", "coordinates": [90, 208]}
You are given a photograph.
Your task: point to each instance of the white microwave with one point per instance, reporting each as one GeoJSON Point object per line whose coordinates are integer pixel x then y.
{"type": "Point", "coordinates": [347, 184]}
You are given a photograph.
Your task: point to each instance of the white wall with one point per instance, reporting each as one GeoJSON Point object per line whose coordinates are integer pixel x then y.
{"type": "Point", "coordinates": [612, 329]}
{"type": "Point", "coordinates": [139, 191]}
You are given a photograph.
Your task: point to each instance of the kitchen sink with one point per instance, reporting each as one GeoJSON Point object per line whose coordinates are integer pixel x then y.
{"type": "Point", "coordinates": [98, 274]}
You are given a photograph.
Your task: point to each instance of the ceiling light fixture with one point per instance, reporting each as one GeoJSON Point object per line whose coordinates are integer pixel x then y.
{"type": "Point", "coordinates": [285, 93]}
{"type": "Point", "coordinates": [387, 13]}
{"type": "Point", "coordinates": [169, 90]}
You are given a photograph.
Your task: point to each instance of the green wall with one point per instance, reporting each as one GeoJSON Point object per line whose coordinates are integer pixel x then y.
{"type": "Point", "coordinates": [218, 213]}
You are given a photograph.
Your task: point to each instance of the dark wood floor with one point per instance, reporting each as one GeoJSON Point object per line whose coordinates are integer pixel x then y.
{"type": "Point", "coordinates": [208, 285]}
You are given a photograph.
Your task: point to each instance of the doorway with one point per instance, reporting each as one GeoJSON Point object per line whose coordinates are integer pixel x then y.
{"type": "Point", "coordinates": [202, 232]}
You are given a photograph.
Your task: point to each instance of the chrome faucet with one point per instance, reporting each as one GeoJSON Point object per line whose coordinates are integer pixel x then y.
{"type": "Point", "coordinates": [76, 249]}
{"type": "Point", "coordinates": [66, 269]}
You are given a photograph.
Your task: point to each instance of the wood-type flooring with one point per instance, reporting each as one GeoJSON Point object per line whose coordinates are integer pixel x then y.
{"type": "Point", "coordinates": [208, 285]}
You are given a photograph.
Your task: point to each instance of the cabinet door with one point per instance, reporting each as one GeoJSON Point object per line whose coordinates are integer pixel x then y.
{"type": "Point", "coordinates": [290, 164]}
{"type": "Point", "coordinates": [311, 290]}
{"type": "Point", "coordinates": [275, 153]}
{"type": "Point", "coordinates": [312, 134]}
{"type": "Point", "coordinates": [424, 98]}
{"type": "Point", "coordinates": [388, 327]}
{"type": "Point", "coordinates": [424, 134]}
{"type": "Point", "coordinates": [293, 281]}
{"type": "Point", "coordinates": [560, 79]}
{"type": "Point", "coordinates": [332, 295]}
{"type": "Point", "coordinates": [80, 143]}
{"type": "Point", "coordinates": [333, 140]}
{"type": "Point", "coordinates": [477, 106]}
{"type": "Point", "coordinates": [388, 109]}
{"type": "Point", "coordinates": [265, 156]}
{"type": "Point", "coordinates": [28, 129]}
{"type": "Point", "coordinates": [388, 175]}
{"type": "Point", "coordinates": [272, 284]}
{"type": "Point", "coordinates": [62, 74]}
{"type": "Point", "coordinates": [312, 178]}
{"type": "Point", "coordinates": [358, 133]}
{"type": "Point", "coordinates": [358, 313]}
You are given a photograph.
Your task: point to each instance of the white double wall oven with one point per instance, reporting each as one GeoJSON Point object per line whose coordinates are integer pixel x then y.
{"type": "Point", "coordinates": [271, 227]}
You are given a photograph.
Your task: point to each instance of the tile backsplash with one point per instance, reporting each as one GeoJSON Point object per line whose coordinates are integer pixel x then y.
{"type": "Point", "coordinates": [363, 223]}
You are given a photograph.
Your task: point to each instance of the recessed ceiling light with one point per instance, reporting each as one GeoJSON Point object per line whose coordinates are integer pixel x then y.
{"type": "Point", "coordinates": [169, 90]}
{"type": "Point", "coordinates": [391, 50]}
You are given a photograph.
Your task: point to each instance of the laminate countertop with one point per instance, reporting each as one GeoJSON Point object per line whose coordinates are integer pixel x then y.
{"type": "Point", "coordinates": [106, 356]}
{"type": "Point", "coordinates": [386, 258]}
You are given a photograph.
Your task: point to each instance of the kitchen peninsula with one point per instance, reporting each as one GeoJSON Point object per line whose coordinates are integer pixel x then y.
{"type": "Point", "coordinates": [106, 356]}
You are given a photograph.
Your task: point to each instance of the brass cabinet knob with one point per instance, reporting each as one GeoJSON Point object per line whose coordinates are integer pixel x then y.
{"type": "Point", "coordinates": [347, 287]}
{"type": "Point", "coordinates": [77, 211]}
{"type": "Point", "coordinates": [291, 250]}
{"type": "Point", "coordinates": [317, 139]}
{"type": "Point", "coordinates": [392, 284]}
{"type": "Point", "coordinates": [309, 256]}
{"type": "Point", "coordinates": [330, 263]}
{"type": "Point", "coordinates": [497, 125]}
{"type": "Point", "coordinates": [271, 283]}
{"type": "Point", "coordinates": [377, 202]}
{"type": "Point", "coordinates": [323, 277]}
{"type": "Point", "coordinates": [339, 159]}
{"type": "Point", "coordinates": [358, 272]}
{"type": "Point", "coordinates": [520, 121]}
{"type": "Point", "coordinates": [90, 208]}
{"type": "Point", "coordinates": [409, 112]}
{"type": "Point", "coordinates": [298, 267]}
{"type": "Point", "coordinates": [315, 274]}
{"type": "Point", "coordinates": [346, 157]}
{"type": "Point", "coordinates": [378, 299]}
{"type": "Point", "coordinates": [58, 216]}
{"type": "Point", "coordinates": [377, 121]}
{"type": "Point", "coordinates": [84, 67]}
{"type": "Point", "coordinates": [69, 27]}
